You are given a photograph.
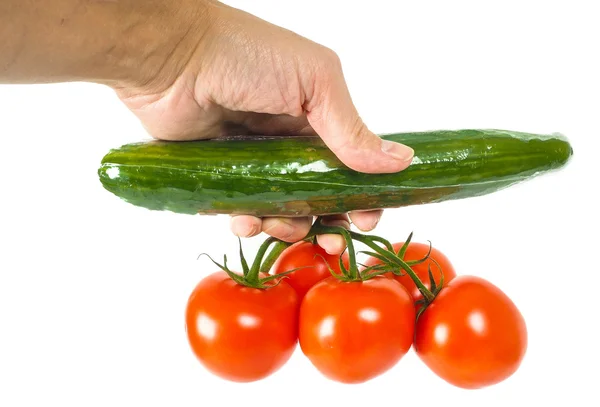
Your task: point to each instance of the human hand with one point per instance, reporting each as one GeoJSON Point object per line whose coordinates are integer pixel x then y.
{"type": "Point", "coordinates": [245, 75]}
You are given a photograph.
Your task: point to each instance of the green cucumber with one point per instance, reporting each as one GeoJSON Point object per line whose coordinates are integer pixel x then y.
{"type": "Point", "coordinates": [300, 176]}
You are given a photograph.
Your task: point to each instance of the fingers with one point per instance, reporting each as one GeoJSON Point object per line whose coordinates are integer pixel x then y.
{"type": "Point", "coordinates": [332, 114]}
{"type": "Point", "coordinates": [295, 229]}
{"type": "Point", "coordinates": [366, 220]}
{"type": "Point", "coordinates": [269, 124]}
{"type": "Point", "coordinates": [331, 243]}
{"type": "Point", "coordinates": [245, 226]}
{"type": "Point", "coordinates": [286, 229]}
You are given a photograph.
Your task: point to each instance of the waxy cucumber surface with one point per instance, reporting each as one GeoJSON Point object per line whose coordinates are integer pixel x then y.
{"type": "Point", "coordinates": [299, 176]}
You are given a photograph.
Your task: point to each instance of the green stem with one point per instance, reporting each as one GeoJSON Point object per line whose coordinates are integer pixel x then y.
{"type": "Point", "coordinates": [353, 267]}
{"type": "Point", "coordinates": [369, 241]}
{"type": "Point", "coordinates": [427, 294]}
{"type": "Point", "coordinates": [273, 255]}
{"type": "Point", "coordinates": [253, 276]}
{"type": "Point", "coordinates": [387, 253]}
{"type": "Point", "coordinates": [319, 229]}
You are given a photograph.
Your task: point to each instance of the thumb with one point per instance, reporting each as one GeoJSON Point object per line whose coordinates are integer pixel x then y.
{"type": "Point", "coordinates": [332, 114]}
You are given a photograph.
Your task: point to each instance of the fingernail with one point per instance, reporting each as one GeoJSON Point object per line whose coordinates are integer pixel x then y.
{"type": "Point", "coordinates": [332, 244]}
{"type": "Point", "coordinates": [376, 221]}
{"type": "Point", "coordinates": [397, 150]}
{"type": "Point", "coordinates": [246, 229]}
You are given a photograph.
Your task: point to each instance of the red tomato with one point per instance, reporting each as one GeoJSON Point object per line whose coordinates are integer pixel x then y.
{"type": "Point", "coordinates": [354, 331]}
{"type": "Point", "coordinates": [240, 333]}
{"type": "Point", "coordinates": [416, 251]}
{"type": "Point", "coordinates": [472, 335]}
{"type": "Point", "coordinates": [303, 254]}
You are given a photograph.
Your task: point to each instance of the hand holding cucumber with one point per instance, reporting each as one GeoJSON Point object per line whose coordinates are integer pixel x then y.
{"type": "Point", "coordinates": [197, 69]}
{"type": "Point", "coordinates": [247, 76]}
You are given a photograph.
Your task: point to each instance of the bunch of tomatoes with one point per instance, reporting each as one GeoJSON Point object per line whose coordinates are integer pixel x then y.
{"type": "Point", "coordinates": [355, 322]}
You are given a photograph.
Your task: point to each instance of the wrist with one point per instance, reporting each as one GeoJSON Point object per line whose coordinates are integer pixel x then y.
{"type": "Point", "coordinates": [120, 43]}
{"type": "Point", "coordinates": [156, 44]}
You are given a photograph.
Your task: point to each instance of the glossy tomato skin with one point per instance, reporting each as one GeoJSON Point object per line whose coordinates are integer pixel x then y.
{"type": "Point", "coordinates": [472, 335]}
{"type": "Point", "coordinates": [416, 251]}
{"type": "Point", "coordinates": [239, 333]}
{"type": "Point", "coordinates": [354, 331]}
{"type": "Point", "coordinates": [313, 258]}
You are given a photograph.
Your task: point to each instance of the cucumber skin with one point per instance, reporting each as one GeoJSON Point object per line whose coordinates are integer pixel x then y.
{"type": "Point", "coordinates": [300, 176]}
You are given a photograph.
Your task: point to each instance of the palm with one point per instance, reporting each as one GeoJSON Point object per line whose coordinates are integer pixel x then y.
{"type": "Point", "coordinates": [184, 114]}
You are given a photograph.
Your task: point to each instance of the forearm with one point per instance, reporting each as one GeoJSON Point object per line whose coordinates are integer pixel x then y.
{"type": "Point", "coordinates": [114, 42]}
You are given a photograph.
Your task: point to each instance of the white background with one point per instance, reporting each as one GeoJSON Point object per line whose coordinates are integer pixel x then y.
{"type": "Point", "coordinates": [92, 290]}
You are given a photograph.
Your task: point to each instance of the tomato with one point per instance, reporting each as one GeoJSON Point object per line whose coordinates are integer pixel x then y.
{"type": "Point", "coordinates": [416, 251]}
{"type": "Point", "coordinates": [472, 335]}
{"type": "Point", "coordinates": [314, 260]}
{"type": "Point", "coordinates": [240, 333]}
{"type": "Point", "coordinates": [354, 331]}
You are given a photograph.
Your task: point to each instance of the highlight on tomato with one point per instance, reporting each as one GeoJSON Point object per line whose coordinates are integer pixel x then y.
{"type": "Point", "coordinates": [354, 325]}
{"type": "Point", "coordinates": [472, 335]}
{"type": "Point", "coordinates": [468, 331]}
{"type": "Point", "coordinates": [353, 331]}
{"type": "Point", "coordinates": [242, 327]}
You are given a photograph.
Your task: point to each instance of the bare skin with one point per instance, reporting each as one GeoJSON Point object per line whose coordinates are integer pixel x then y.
{"type": "Point", "coordinates": [195, 69]}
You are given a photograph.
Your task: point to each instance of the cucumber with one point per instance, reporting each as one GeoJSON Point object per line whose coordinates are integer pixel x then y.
{"type": "Point", "coordinates": [300, 176]}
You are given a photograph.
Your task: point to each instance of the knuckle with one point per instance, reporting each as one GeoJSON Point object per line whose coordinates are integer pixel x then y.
{"type": "Point", "coordinates": [279, 230]}
{"type": "Point", "coordinates": [332, 59]}
{"type": "Point", "coordinates": [357, 133]}
{"type": "Point", "coordinates": [328, 63]}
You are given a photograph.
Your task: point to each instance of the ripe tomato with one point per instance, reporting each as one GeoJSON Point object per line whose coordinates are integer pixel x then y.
{"type": "Point", "coordinates": [472, 335]}
{"type": "Point", "coordinates": [303, 254]}
{"type": "Point", "coordinates": [416, 251]}
{"type": "Point", "coordinates": [240, 333]}
{"type": "Point", "coordinates": [354, 331]}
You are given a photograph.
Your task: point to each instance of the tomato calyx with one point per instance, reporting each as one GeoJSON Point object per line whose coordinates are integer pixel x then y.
{"type": "Point", "coordinates": [251, 275]}
{"type": "Point", "coordinates": [391, 261]}
{"type": "Point", "coordinates": [429, 294]}
{"type": "Point", "coordinates": [397, 265]}
{"type": "Point", "coordinates": [434, 290]}
{"type": "Point", "coordinates": [381, 248]}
